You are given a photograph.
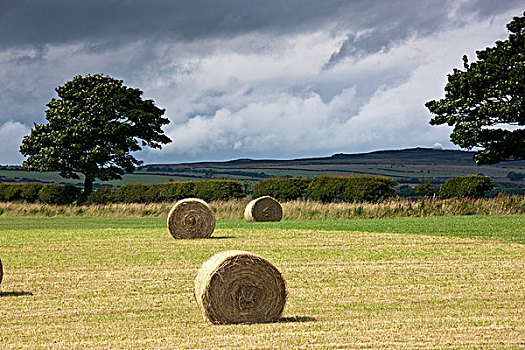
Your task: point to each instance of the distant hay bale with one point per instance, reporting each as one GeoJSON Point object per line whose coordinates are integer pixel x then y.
{"type": "Point", "coordinates": [239, 287]}
{"type": "Point", "coordinates": [263, 209]}
{"type": "Point", "coordinates": [191, 218]}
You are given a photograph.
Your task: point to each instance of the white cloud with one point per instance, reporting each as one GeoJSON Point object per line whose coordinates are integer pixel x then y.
{"type": "Point", "coordinates": [11, 134]}
{"type": "Point", "coordinates": [295, 109]}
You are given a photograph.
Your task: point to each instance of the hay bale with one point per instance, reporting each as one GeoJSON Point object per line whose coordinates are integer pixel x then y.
{"type": "Point", "coordinates": [263, 209]}
{"type": "Point", "coordinates": [191, 218]}
{"type": "Point", "coordinates": [239, 287]}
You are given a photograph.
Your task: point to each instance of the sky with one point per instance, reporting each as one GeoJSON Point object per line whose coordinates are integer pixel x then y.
{"type": "Point", "coordinates": [250, 78]}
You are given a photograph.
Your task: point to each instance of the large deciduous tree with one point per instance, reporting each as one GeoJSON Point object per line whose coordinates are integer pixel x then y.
{"type": "Point", "coordinates": [486, 102]}
{"type": "Point", "coordinates": [93, 126]}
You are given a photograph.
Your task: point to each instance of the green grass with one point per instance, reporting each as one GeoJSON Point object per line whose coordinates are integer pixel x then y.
{"type": "Point", "coordinates": [505, 228]}
{"type": "Point", "coordinates": [419, 283]}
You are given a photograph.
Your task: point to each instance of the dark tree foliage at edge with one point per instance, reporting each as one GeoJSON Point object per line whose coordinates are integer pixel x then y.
{"type": "Point", "coordinates": [490, 92]}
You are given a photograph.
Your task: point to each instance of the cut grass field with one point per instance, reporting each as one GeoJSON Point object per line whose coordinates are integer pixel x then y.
{"type": "Point", "coordinates": [407, 283]}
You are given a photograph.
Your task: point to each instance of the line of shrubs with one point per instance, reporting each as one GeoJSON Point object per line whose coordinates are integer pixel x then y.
{"type": "Point", "coordinates": [35, 191]}
{"type": "Point", "coordinates": [367, 188]}
{"type": "Point", "coordinates": [324, 188]}
{"type": "Point", "coordinates": [327, 188]}
{"type": "Point", "coordinates": [207, 190]}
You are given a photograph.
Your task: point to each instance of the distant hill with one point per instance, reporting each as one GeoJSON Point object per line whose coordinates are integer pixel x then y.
{"type": "Point", "coordinates": [405, 166]}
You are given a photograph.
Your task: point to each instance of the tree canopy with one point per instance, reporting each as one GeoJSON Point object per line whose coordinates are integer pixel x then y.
{"type": "Point", "coordinates": [92, 129]}
{"type": "Point", "coordinates": [485, 102]}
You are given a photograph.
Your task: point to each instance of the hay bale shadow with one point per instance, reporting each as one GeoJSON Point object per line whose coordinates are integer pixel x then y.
{"type": "Point", "coordinates": [297, 319]}
{"type": "Point", "coordinates": [15, 294]}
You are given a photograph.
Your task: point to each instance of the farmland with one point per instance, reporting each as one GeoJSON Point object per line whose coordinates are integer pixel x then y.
{"type": "Point", "coordinates": [404, 166]}
{"type": "Point", "coordinates": [401, 165]}
{"type": "Point", "coordinates": [435, 282]}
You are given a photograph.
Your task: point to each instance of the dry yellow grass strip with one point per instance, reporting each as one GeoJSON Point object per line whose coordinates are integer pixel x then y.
{"type": "Point", "coordinates": [292, 210]}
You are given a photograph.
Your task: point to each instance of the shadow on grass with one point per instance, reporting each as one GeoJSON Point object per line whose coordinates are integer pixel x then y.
{"type": "Point", "coordinates": [14, 294]}
{"type": "Point", "coordinates": [297, 319]}
{"type": "Point", "coordinates": [220, 237]}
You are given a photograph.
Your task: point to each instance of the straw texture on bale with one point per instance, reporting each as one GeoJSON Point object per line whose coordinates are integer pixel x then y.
{"type": "Point", "coordinates": [263, 209]}
{"type": "Point", "coordinates": [191, 218]}
{"type": "Point", "coordinates": [239, 287]}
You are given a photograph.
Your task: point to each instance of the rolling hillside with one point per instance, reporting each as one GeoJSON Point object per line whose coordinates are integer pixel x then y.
{"type": "Point", "coordinates": [408, 165]}
{"type": "Point", "coordinates": [405, 166]}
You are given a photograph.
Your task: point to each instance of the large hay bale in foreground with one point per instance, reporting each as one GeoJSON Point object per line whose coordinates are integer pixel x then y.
{"type": "Point", "coordinates": [263, 209]}
{"type": "Point", "coordinates": [191, 218]}
{"type": "Point", "coordinates": [239, 287]}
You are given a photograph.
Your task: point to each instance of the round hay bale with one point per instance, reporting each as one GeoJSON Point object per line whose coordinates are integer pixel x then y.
{"type": "Point", "coordinates": [239, 287]}
{"type": "Point", "coordinates": [263, 209]}
{"type": "Point", "coordinates": [191, 218]}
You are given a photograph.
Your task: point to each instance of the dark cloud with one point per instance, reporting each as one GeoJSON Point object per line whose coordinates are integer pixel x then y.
{"type": "Point", "coordinates": [62, 21]}
{"type": "Point", "coordinates": [36, 55]}
{"type": "Point", "coordinates": [27, 22]}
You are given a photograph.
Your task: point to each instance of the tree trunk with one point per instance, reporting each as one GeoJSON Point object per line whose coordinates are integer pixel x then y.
{"type": "Point", "coordinates": [88, 186]}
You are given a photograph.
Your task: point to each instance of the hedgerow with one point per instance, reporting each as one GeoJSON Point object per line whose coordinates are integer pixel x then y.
{"type": "Point", "coordinates": [475, 186]}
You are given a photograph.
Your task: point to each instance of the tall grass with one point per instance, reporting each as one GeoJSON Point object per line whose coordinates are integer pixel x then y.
{"type": "Point", "coordinates": [293, 210]}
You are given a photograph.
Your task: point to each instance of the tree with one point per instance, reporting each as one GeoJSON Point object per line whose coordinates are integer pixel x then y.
{"type": "Point", "coordinates": [92, 129]}
{"type": "Point", "coordinates": [489, 93]}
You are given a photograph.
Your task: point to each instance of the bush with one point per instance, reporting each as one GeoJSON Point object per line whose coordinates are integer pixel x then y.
{"type": "Point", "coordinates": [327, 188]}
{"type": "Point", "coordinates": [3, 188]}
{"type": "Point", "coordinates": [132, 193]}
{"type": "Point", "coordinates": [102, 195]}
{"type": "Point", "coordinates": [29, 191]}
{"type": "Point", "coordinates": [466, 186]}
{"type": "Point", "coordinates": [12, 193]}
{"type": "Point", "coordinates": [281, 188]}
{"type": "Point", "coordinates": [170, 192]}
{"type": "Point", "coordinates": [20, 191]}
{"type": "Point", "coordinates": [427, 189]}
{"type": "Point", "coordinates": [210, 190]}
{"type": "Point", "coordinates": [56, 194]}
{"type": "Point", "coordinates": [368, 188]}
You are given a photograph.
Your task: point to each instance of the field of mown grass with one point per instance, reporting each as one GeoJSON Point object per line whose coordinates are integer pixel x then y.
{"type": "Point", "coordinates": [406, 283]}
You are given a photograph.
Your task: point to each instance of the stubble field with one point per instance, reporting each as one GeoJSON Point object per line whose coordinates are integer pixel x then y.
{"type": "Point", "coordinates": [412, 283]}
